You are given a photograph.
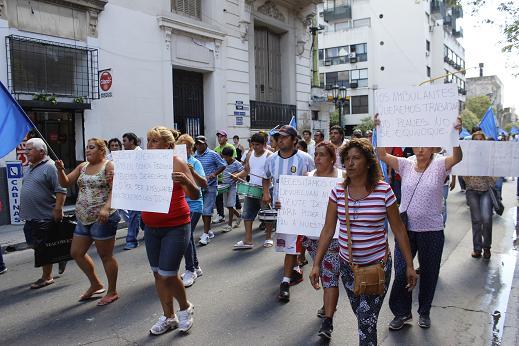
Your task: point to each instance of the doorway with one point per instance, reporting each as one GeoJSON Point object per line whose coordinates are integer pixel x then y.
{"type": "Point", "coordinates": [188, 102]}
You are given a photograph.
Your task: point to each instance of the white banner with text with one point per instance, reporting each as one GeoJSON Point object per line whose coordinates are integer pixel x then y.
{"type": "Point", "coordinates": [488, 159]}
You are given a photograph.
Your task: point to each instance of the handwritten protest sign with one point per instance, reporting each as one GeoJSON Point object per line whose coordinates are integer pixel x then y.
{"type": "Point", "coordinates": [142, 180]}
{"type": "Point", "coordinates": [181, 151]}
{"type": "Point", "coordinates": [303, 204]}
{"type": "Point", "coordinates": [488, 159]}
{"type": "Point", "coordinates": [417, 116]}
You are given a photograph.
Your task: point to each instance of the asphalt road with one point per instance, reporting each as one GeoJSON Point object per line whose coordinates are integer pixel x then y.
{"type": "Point", "coordinates": [235, 300]}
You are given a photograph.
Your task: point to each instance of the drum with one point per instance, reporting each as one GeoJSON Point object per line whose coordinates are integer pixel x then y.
{"type": "Point", "coordinates": [223, 188]}
{"type": "Point", "coordinates": [268, 215]}
{"type": "Point", "coordinates": [249, 190]}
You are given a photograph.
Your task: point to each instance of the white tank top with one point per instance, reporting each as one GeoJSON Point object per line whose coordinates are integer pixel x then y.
{"type": "Point", "coordinates": [340, 173]}
{"type": "Point", "coordinates": [257, 168]}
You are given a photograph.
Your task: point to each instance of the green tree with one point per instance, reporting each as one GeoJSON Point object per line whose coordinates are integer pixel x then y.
{"type": "Point", "coordinates": [365, 125]}
{"type": "Point", "coordinates": [508, 126]}
{"type": "Point", "coordinates": [469, 119]}
{"type": "Point", "coordinates": [478, 105]}
{"type": "Point", "coordinates": [334, 118]}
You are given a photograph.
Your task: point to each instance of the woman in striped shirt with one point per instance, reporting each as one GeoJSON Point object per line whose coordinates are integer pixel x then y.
{"type": "Point", "coordinates": [370, 202]}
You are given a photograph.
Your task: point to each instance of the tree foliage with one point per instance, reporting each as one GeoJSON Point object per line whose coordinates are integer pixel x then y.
{"type": "Point", "coordinates": [478, 105]}
{"type": "Point", "coordinates": [508, 126]}
{"type": "Point", "coordinates": [365, 125]}
{"type": "Point", "coordinates": [469, 119]}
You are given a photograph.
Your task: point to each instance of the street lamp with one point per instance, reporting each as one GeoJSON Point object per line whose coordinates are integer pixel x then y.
{"type": "Point", "coordinates": [337, 94]}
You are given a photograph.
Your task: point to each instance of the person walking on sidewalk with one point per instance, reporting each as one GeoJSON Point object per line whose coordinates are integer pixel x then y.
{"type": "Point", "coordinates": [96, 219]}
{"type": "Point", "coordinates": [213, 165]}
{"type": "Point", "coordinates": [193, 270]}
{"type": "Point", "coordinates": [221, 136]}
{"type": "Point", "coordinates": [131, 142]}
{"type": "Point", "coordinates": [41, 202]}
{"type": "Point", "coordinates": [3, 268]}
{"type": "Point", "coordinates": [233, 167]}
{"type": "Point", "coordinates": [423, 178]}
{"type": "Point", "coordinates": [167, 236]}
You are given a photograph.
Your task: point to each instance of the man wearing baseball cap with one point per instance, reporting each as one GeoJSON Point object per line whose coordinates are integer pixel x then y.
{"type": "Point", "coordinates": [221, 136]}
{"type": "Point", "coordinates": [213, 165]}
{"type": "Point", "coordinates": [286, 161]}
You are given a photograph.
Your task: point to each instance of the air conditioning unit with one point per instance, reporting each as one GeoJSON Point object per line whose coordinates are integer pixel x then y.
{"type": "Point", "coordinates": [353, 57]}
{"type": "Point", "coordinates": [354, 85]}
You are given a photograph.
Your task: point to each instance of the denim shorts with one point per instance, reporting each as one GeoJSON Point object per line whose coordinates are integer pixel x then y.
{"type": "Point", "coordinates": [99, 231]}
{"type": "Point", "coordinates": [229, 197]}
{"type": "Point", "coordinates": [209, 196]}
{"type": "Point", "coordinates": [251, 207]}
{"type": "Point", "coordinates": [165, 248]}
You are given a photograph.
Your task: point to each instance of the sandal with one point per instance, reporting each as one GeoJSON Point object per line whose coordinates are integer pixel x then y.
{"type": "Point", "coordinates": [242, 246]}
{"type": "Point", "coordinates": [89, 296]}
{"type": "Point", "coordinates": [41, 283]}
{"type": "Point", "coordinates": [268, 243]}
{"type": "Point", "coordinates": [108, 300]}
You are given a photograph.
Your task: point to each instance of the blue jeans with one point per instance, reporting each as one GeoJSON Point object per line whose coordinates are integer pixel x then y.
{"type": "Point", "coordinates": [499, 186]}
{"type": "Point", "coordinates": [190, 255]}
{"type": "Point", "coordinates": [209, 196]}
{"type": "Point", "coordinates": [2, 264]}
{"type": "Point", "coordinates": [165, 248]}
{"type": "Point", "coordinates": [480, 205]}
{"type": "Point", "coordinates": [134, 220]}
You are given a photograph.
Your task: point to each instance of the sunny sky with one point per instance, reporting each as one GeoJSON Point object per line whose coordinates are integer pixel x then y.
{"type": "Point", "coordinates": [481, 42]}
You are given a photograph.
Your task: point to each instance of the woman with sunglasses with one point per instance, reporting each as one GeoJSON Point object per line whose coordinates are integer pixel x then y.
{"type": "Point", "coordinates": [96, 219]}
{"type": "Point", "coordinates": [370, 201]}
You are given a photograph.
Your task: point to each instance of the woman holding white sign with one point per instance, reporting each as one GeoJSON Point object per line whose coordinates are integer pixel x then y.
{"type": "Point", "coordinates": [324, 160]}
{"type": "Point", "coordinates": [167, 237]}
{"type": "Point", "coordinates": [361, 204]}
{"type": "Point", "coordinates": [423, 178]}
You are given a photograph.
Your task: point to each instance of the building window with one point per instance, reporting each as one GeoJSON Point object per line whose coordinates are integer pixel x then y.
{"type": "Point", "coordinates": [38, 66]}
{"type": "Point", "coordinates": [343, 26]}
{"type": "Point", "coordinates": [360, 77]}
{"type": "Point", "coordinates": [331, 79]}
{"type": "Point", "coordinates": [361, 51]}
{"type": "Point", "coordinates": [359, 104]}
{"type": "Point", "coordinates": [321, 54]}
{"type": "Point", "coordinates": [428, 71]}
{"type": "Point", "coordinates": [191, 8]}
{"type": "Point", "coordinates": [428, 45]}
{"type": "Point", "coordinates": [321, 80]}
{"type": "Point", "coordinates": [358, 23]}
{"type": "Point", "coordinates": [315, 115]}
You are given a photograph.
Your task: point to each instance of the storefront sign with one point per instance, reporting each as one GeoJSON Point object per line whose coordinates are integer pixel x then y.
{"type": "Point", "coordinates": [105, 83]}
{"type": "Point", "coordinates": [14, 187]}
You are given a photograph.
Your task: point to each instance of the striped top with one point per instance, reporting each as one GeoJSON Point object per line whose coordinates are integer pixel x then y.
{"type": "Point", "coordinates": [211, 162]}
{"type": "Point", "coordinates": [367, 218]}
{"type": "Point", "coordinates": [233, 168]}
{"type": "Point", "coordinates": [276, 166]}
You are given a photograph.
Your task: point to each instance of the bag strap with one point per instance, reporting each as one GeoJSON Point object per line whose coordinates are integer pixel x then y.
{"type": "Point", "coordinates": [418, 183]}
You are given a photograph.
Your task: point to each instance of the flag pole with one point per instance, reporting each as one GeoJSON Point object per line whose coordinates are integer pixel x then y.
{"type": "Point", "coordinates": [30, 121]}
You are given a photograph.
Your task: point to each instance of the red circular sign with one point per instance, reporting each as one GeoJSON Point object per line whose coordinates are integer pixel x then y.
{"type": "Point", "coordinates": [105, 80]}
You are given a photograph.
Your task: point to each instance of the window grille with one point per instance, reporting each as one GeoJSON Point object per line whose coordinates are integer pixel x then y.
{"type": "Point", "coordinates": [192, 8]}
{"type": "Point", "coordinates": [37, 66]}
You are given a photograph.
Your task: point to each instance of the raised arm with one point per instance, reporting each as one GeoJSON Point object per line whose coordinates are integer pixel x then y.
{"type": "Point", "coordinates": [457, 154]}
{"type": "Point", "coordinates": [68, 180]}
{"type": "Point", "coordinates": [199, 179]}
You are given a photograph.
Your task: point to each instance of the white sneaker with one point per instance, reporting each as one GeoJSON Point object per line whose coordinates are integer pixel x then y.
{"type": "Point", "coordinates": [237, 223]}
{"type": "Point", "coordinates": [185, 318]}
{"type": "Point", "coordinates": [211, 234]}
{"type": "Point", "coordinates": [189, 278]}
{"type": "Point", "coordinates": [218, 219]}
{"type": "Point", "coordinates": [163, 325]}
{"type": "Point", "coordinates": [226, 228]}
{"type": "Point", "coordinates": [199, 272]}
{"type": "Point", "coordinates": [204, 239]}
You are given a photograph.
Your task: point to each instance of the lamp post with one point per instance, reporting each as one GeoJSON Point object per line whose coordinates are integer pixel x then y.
{"type": "Point", "coordinates": [337, 94]}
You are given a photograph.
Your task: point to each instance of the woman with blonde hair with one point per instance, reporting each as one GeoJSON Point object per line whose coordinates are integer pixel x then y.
{"type": "Point", "coordinates": [167, 236]}
{"type": "Point", "coordinates": [96, 219]}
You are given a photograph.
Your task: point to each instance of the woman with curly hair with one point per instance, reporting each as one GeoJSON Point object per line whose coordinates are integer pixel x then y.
{"type": "Point", "coordinates": [361, 203]}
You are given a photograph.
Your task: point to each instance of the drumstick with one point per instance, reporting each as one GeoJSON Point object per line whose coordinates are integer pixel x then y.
{"type": "Point", "coordinates": [239, 178]}
{"type": "Point", "coordinates": [257, 176]}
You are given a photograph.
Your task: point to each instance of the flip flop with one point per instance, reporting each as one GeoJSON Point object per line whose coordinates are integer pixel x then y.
{"type": "Point", "coordinates": [242, 246]}
{"type": "Point", "coordinates": [107, 300]}
{"type": "Point", "coordinates": [268, 243]}
{"type": "Point", "coordinates": [88, 297]}
{"type": "Point", "coordinates": [41, 283]}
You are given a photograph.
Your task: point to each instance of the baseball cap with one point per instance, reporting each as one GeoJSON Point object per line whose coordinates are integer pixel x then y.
{"type": "Point", "coordinates": [221, 132]}
{"type": "Point", "coordinates": [287, 130]}
{"type": "Point", "coordinates": [201, 139]}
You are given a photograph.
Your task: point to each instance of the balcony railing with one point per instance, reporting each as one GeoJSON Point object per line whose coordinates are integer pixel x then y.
{"type": "Point", "coordinates": [337, 12]}
{"type": "Point", "coordinates": [438, 9]}
{"type": "Point", "coordinates": [267, 115]}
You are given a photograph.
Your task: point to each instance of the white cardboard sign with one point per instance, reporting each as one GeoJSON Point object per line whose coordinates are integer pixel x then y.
{"type": "Point", "coordinates": [417, 116]}
{"type": "Point", "coordinates": [304, 201]}
{"type": "Point", "coordinates": [142, 180]}
{"type": "Point", "coordinates": [181, 151]}
{"type": "Point", "coordinates": [488, 159]}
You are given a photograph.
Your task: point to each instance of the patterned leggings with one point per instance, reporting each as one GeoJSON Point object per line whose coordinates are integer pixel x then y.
{"type": "Point", "coordinates": [366, 308]}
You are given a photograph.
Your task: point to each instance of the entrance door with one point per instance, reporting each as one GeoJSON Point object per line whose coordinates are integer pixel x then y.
{"type": "Point", "coordinates": [267, 55]}
{"type": "Point", "coordinates": [188, 102]}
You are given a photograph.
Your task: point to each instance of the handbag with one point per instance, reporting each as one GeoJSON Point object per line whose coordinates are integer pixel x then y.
{"type": "Point", "coordinates": [370, 279]}
{"type": "Point", "coordinates": [403, 215]}
{"type": "Point", "coordinates": [55, 247]}
{"type": "Point", "coordinates": [498, 206]}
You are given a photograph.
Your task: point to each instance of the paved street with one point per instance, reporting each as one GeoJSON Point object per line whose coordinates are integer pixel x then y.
{"type": "Point", "coordinates": [235, 300]}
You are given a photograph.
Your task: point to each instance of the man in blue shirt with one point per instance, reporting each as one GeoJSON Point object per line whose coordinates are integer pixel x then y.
{"type": "Point", "coordinates": [213, 165]}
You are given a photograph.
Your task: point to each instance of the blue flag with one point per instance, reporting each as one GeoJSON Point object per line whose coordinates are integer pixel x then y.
{"type": "Point", "coordinates": [488, 124]}
{"type": "Point", "coordinates": [293, 122]}
{"type": "Point", "coordinates": [514, 130]}
{"type": "Point", "coordinates": [503, 132]}
{"type": "Point", "coordinates": [14, 123]}
{"type": "Point", "coordinates": [383, 165]}
{"type": "Point", "coordinates": [464, 133]}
